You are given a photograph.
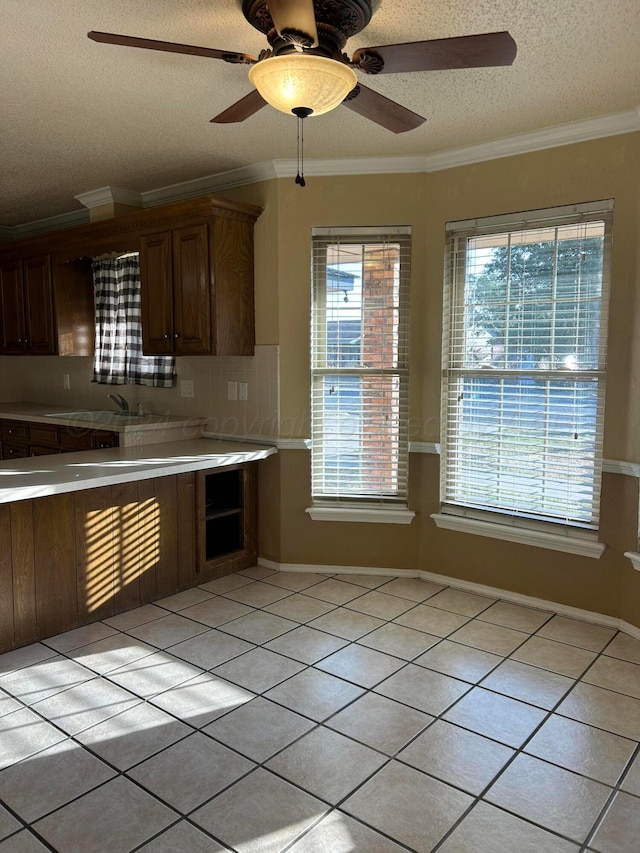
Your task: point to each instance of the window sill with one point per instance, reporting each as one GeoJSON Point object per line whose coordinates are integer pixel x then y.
{"type": "Point", "coordinates": [634, 556]}
{"type": "Point", "coordinates": [377, 515]}
{"type": "Point", "coordinates": [524, 536]}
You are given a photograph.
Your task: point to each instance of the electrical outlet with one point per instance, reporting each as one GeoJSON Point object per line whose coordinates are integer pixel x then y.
{"type": "Point", "coordinates": [243, 390]}
{"type": "Point", "coordinates": [232, 390]}
{"type": "Point", "coordinates": [66, 381]}
{"type": "Point", "coordinates": [186, 387]}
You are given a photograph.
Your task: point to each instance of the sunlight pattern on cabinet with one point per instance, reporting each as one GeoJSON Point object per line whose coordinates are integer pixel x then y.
{"type": "Point", "coordinates": [122, 543]}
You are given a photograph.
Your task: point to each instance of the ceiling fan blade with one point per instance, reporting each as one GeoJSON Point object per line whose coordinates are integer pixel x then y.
{"type": "Point", "coordinates": [172, 47]}
{"type": "Point", "coordinates": [242, 109]}
{"type": "Point", "coordinates": [294, 17]}
{"type": "Point", "coordinates": [476, 51]}
{"type": "Point", "coordinates": [383, 111]}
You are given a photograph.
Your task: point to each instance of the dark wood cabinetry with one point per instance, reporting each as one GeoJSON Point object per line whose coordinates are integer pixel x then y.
{"type": "Point", "coordinates": [26, 307]}
{"type": "Point", "coordinates": [74, 558]}
{"type": "Point", "coordinates": [196, 268]}
{"type": "Point", "coordinates": [45, 310]}
{"type": "Point", "coordinates": [176, 292]}
{"type": "Point", "coordinates": [20, 439]}
{"type": "Point", "coordinates": [197, 289]}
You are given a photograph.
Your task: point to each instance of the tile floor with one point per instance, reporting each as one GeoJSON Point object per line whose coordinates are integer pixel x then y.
{"type": "Point", "coordinates": [265, 712]}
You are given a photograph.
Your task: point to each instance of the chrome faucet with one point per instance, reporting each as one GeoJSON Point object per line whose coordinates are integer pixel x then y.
{"type": "Point", "coordinates": [120, 402]}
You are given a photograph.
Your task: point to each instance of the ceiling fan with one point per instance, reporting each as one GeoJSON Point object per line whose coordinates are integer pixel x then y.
{"type": "Point", "coordinates": [305, 72]}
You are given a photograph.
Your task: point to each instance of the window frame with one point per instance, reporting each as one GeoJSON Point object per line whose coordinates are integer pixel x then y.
{"type": "Point", "coordinates": [376, 507]}
{"type": "Point", "coordinates": [556, 533]}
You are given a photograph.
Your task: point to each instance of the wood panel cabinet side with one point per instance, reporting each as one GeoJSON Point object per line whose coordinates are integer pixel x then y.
{"type": "Point", "coordinates": [6, 581]}
{"type": "Point", "coordinates": [186, 522]}
{"type": "Point", "coordinates": [127, 554]}
{"type": "Point", "coordinates": [24, 573]}
{"type": "Point", "coordinates": [55, 564]}
{"type": "Point", "coordinates": [96, 532]}
{"type": "Point", "coordinates": [232, 266]}
{"type": "Point", "coordinates": [148, 539]}
{"type": "Point", "coordinates": [166, 494]}
{"type": "Point", "coordinates": [74, 307]}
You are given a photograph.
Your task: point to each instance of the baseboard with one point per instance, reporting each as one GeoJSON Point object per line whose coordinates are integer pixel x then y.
{"type": "Point", "coordinates": [467, 586]}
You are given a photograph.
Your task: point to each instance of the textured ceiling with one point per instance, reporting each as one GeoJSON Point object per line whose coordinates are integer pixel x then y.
{"type": "Point", "coordinates": [77, 115]}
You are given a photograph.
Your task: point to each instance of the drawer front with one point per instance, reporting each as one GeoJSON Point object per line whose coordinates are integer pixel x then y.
{"type": "Point", "coordinates": [14, 451]}
{"type": "Point", "coordinates": [70, 441]}
{"type": "Point", "coordinates": [41, 450]}
{"type": "Point", "coordinates": [14, 430]}
{"type": "Point", "coordinates": [46, 435]}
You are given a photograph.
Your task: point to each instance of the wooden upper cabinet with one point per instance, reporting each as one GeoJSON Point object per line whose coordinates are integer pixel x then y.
{"type": "Point", "coordinates": [12, 316]}
{"type": "Point", "coordinates": [192, 291]}
{"type": "Point", "coordinates": [46, 309]}
{"type": "Point", "coordinates": [196, 273]}
{"type": "Point", "coordinates": [156, 293]}
{"type": "Point", "coordinates": [175, 292]}
{"type": "Point", "coordinates": [39, 308]}
{"type": "Point", "coordinates": [197, 289]}
{"type": "Point", "coordinates": [27, 307]}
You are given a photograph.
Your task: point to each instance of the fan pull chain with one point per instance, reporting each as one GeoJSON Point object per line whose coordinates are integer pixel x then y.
{"type": "Point", "coordinates": [301, 113]}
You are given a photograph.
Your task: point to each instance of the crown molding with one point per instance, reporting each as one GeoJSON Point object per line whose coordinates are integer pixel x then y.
{"type": "Point", "coordinates": [351, 166]}
{"type": "Point", "coordinates": [109, 195]}
{"type": "Point", "coordinates": [39, 226]}
{"type": "Point", "coordinates": [524, 143]}
{"type": "Point", "coordinates": [219, 182]}
{"type": "Point", "coordinates": [537, 140]}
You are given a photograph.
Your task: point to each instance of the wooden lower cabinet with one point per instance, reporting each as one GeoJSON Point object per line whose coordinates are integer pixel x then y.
{"type": "Point", "coordinates": [20, 439]}
{"type": "Point", "coordinates": [71, 559]}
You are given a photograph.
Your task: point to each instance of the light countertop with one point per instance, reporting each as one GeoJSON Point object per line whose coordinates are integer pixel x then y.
{"type": "Point", "coordinates": [93, 419]}
{"type": "Point", "coordinates": [40, 476]}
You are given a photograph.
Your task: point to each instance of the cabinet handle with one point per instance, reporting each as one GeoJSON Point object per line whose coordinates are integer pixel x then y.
{"type": "Point", "coordinates": [177, 335]}
{"type": "Point", "coordinates": [166, 336]}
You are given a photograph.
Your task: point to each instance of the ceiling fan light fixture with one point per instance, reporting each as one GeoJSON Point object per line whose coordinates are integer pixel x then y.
{"type": "Point", "coordinates": [303, 80]}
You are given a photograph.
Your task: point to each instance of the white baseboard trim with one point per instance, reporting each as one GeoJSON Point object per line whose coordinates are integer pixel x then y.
{"type": "Point", "coordinates": [467, 586]}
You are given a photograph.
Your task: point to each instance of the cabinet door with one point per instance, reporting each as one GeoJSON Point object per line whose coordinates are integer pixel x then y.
{"type": "Point", "coordinates": [12, 317]}
{"type": "Point", "coordinates": [38, 291]}
{"type": "Point", "coordinates": [192, 298]}
{"type": "Point", "coordinates": [156, 291]}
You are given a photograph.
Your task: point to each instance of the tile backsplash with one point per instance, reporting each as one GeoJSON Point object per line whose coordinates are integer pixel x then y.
{"type": "Point", "coordinates": [41, 380]}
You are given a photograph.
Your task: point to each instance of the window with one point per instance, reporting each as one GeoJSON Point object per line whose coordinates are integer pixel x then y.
{"type": "Point", "coordinates": [118, 358]}
{"type": "Point", "coordinates": [524, 366]}
{"type": "Point", "coordinates": [359, 353]}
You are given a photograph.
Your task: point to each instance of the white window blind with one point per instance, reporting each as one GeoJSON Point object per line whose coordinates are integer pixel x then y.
{"type": "Point", "coordinates": [524, 359]}
{"type": "Point", "coordinates": [360, 364]}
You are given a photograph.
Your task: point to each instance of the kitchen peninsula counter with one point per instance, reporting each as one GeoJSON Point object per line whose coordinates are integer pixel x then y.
{"type": "Point", "coordinates": [41, 476]}
{"type": "Point", "coordinates": [87, 535]}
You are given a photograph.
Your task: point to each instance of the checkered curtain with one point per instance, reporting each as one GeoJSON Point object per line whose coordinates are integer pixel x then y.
{"type": "Point", "coordinates": [118, 358]}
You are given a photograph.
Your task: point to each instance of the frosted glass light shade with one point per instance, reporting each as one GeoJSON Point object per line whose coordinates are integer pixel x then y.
{"type": "Point", "coordinates": [303, 80]}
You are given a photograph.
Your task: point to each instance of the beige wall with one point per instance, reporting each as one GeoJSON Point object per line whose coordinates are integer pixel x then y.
{"type": "Point", "coordinates": [588, 171]}
{"type": "Point", "coordinates": [594, 170]}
